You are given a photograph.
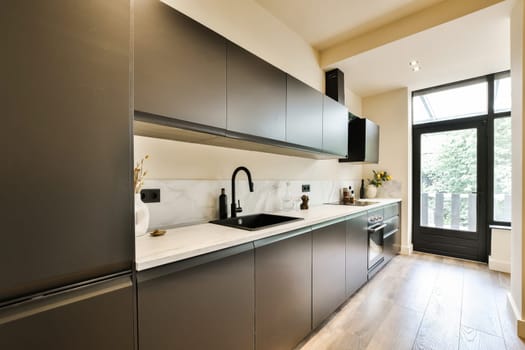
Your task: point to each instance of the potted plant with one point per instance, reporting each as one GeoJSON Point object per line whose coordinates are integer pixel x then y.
{"type": "Point", "coordinates": [376, 181]}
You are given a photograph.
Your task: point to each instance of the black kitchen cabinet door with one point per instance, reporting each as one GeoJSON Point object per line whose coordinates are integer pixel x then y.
{"type": "Point", "coordinates": [304, 114]}
{"type": "Point", "coordinates": [201, 303]}
{"type": "Point", "coordinates": [67, 197]}
{"type": "Point", "coordinates": [96, 317]}
{"type": "Point", "coordinates": [283, 277]}
{"type": "Point", "coordinates": [356, 253]}
{"type": "Point", "coordinates": [335, 127]}
{"type": "Point", "coordinates": [180, 66]}
{"type": "Point", "coordinates": [392, 245]}
{"type": "Point", "coordinates": [328, 274]}
{"type": "Point", "coordinates": [256, 93]}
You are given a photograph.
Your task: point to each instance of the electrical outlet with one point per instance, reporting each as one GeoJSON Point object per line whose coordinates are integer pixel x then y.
{"type": "Point", "coordinates": [151, 195]}
{"type": "Point", "coordinates": [305, 188]}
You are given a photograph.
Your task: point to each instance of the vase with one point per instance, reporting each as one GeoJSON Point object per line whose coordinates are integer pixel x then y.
{"type": "Point", "coordinates": [141, 216]}
{"type": "Point", "coordinates": [371, 191]}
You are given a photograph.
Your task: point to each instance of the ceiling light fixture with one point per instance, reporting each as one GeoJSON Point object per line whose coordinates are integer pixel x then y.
{"type": "Point", "coordinates": [414, 65]}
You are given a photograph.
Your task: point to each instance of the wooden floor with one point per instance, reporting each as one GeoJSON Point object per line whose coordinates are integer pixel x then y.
{"type": "Point", "coordinates": [424, 302]}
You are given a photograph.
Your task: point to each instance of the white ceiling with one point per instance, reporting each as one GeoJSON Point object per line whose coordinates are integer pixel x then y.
{"type": "Point", "coordinates": [473, 45]}
{"type": "Point", "coordinates": [323, 23]}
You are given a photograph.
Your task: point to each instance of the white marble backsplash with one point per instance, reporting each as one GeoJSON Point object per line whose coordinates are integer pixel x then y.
{"type": "Point", "coordinates": [390, 189]}
{"type": "Point", "coordinates": [184, 202]}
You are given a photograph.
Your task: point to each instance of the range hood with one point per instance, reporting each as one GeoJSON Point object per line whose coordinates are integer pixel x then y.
{"type": "Point", "coordinates": [363, 141]}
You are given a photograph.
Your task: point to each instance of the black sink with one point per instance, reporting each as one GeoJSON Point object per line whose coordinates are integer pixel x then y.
{"type": "Point", "coordinates": [256, 221]}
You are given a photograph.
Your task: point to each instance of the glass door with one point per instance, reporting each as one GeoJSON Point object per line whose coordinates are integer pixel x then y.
{"type": "Point", "coordinates": [449, 189]}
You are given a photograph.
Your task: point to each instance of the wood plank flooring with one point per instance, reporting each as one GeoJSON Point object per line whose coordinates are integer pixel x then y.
{"type": "Point", "coordinates": [421, 302]}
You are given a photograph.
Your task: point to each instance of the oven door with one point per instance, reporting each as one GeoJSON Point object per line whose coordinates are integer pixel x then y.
{"type": "Point", "coordinates": [375, 244]}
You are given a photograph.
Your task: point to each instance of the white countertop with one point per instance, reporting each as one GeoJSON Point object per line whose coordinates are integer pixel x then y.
{"type": "Point", "coordinates": [190, 241]}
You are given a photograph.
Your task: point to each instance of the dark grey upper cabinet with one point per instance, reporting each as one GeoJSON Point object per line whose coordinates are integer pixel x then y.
{"type": "Point", "coordinates": [67, 184]}
{"type": "Point", "coordinates": [205, 302]}
{"type": "Point", "coordinates": [304, 114]}
{"type": "Point", "coordinates": [180, 66]}
{"type": "Point", "coordinates": [356, 253]}
{"type": "Point", "coordinates": [256, 94]}
{"type": "Point", "coordinates": [283, 277]}
{"type": "Point", "coordinates": [335, 127]}
{"type": "Point", "coordinates": [328, 274]}
{"type": "Point", "coordinates": [95, 317]}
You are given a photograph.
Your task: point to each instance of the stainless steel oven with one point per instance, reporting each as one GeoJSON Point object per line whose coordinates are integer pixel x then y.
{"type": "Point", "coordinates": [376, 230]}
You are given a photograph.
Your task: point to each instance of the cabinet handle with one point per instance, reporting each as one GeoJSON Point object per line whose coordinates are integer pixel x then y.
{"type": "Point", "coordinates": [45, 303]}
{"type": "Point", "coordinates": [266, 241]}
{"type": "Point", "coordinates": [390, 233]}
{"type": "Point", "coordinates": [328, 223]}
{"type": "Point", "coordinates": [177, 266]}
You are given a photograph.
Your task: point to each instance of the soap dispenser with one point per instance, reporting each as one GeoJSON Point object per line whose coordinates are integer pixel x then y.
{"type": "Point", "coordinates": [223, 206]}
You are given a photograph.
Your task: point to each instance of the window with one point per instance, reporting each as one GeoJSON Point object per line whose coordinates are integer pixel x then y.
{"type": "Point", "coordinates": [450, 103]}
{"type": "Point", "coordinates": [502, 94]}
{"type": "Point", "coordinates": [502, 169]}
{"type": "Point", "coordinates": [485, 99]}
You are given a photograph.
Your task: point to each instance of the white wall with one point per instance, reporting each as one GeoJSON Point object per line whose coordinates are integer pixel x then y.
{"type": "Point", "coordinates": [517, 17]}
{"type": "Point", "coordinates": [391, 110]}
{"type": "Point", "coordinates": [181, 160]}
{"type": "Point", "coordinates": [353, 102]}
{"type": "Point", "coordinates": [500, 245]}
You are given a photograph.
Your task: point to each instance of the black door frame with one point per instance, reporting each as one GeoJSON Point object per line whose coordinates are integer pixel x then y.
{"type": "Point", "coordinates": [460, 244]}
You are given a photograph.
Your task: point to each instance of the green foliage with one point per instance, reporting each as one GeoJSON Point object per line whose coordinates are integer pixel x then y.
{"type": "Point", "coordinates": [449, 162]}
{"type": "Point", "coordinates": [502, 155]}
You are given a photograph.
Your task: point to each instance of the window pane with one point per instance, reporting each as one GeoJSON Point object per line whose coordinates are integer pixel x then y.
{"type": "Point", "coordinates": [502, 169]}
{"type": "Point", "coordinates": [458, 102]}
{"type": "Point", "coordinates": [502, 95]}
{"type": "Point", "coordinates": [449, 179]}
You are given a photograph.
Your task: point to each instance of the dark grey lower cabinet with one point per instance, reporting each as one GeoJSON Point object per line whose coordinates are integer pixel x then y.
{"type": "Point", "coordinates": [391, 238]}
{"type": "Point", "coordinates": [283, 277]}
{"type": "Point", "coordinates": [98, 317]}
{"type": "Point", "coordinates": [205, 302]}
{"type": "Point", "coordinates": [356, 253]}
{"type": "Point", "coordinates": [328, 274]}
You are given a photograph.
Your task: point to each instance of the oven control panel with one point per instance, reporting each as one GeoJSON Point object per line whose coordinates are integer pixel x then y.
{"type": "Point", "coordinates": [375, 219]}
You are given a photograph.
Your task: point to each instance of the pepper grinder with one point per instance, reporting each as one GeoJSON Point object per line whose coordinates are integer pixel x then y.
{"type": "Point", "coordinates": [304, 204]}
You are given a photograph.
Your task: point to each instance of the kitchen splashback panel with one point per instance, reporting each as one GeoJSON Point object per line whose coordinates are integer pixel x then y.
{"type": "Point", "coordinates": [185, 202]}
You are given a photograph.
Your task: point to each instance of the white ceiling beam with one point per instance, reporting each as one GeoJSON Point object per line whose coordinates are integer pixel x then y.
{"type": "Point", "coordinates": [429, 17]}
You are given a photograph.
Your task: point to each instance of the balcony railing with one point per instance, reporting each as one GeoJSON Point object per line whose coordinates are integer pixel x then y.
{"type": "Point", "coordinates": [457, 211]}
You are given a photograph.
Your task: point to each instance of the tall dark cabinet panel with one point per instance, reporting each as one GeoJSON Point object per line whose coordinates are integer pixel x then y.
{"type": "Point", "coordinates": [304, 114]}
{"type": "Point", "coordinates": [335, 127]}
{"type": "Point", "coordinates": [95, 317]}
{"type": "Point", "coordinates": [328, 275]}
{"type": "Point", "coordinates": [283, 277]}
{"type": "Point", "coordinates": [256, 95]}
{"type": "Point", "coordinates": [202, 303]}
{"type": "Point", "coordinates": [67, 198]}
{"type": "Point", "coordinates": [180, 66]}
{"type": "Point", "coordinates": [356, 253]}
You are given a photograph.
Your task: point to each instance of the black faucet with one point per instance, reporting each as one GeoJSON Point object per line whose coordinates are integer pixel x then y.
{"type": "Point", "coordinates": [234, 208]}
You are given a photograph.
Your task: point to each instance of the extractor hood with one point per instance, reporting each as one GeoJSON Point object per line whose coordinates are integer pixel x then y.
{"type": "Point", "coordinates": [363, 141]}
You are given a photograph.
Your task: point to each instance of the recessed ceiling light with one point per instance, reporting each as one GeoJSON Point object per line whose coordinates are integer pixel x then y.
{"type": "Point", "coordinates": [416, 68]}
{"type": "Point", "coordinates": [413, 63]}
